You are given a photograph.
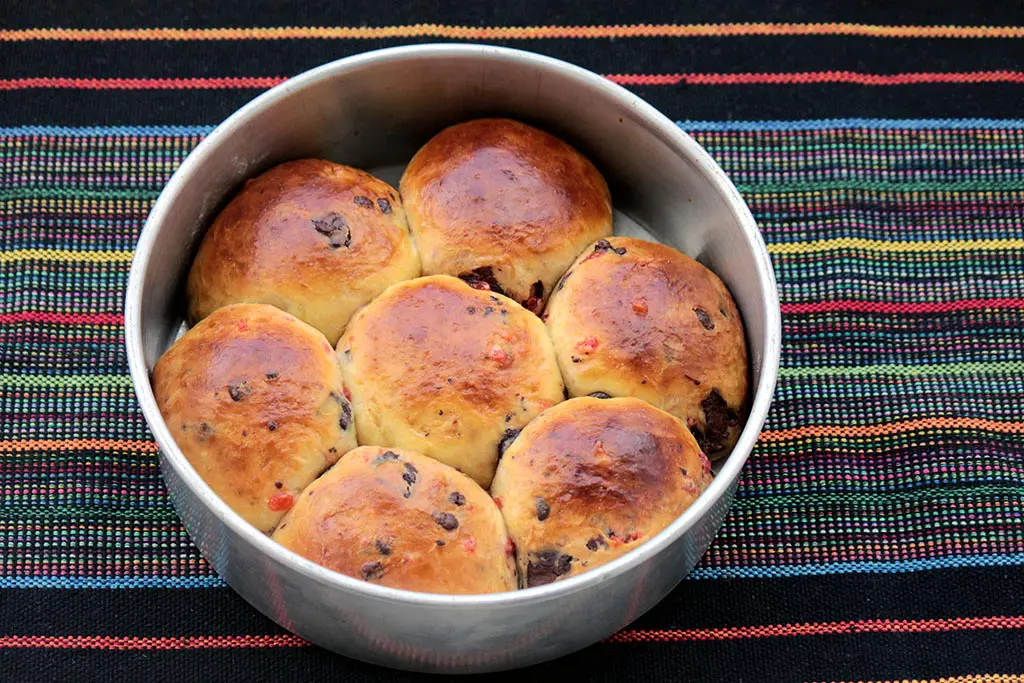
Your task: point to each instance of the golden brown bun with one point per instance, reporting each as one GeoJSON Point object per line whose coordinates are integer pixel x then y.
{"type": "Point", "coordinates": [441, 368]}
{"type": "Point", "coordinates": [314, 238]}
{"type": "Point", "coordinates": [590, 480]}
{"type": "Point", "coordinates": [634, 318]}
{"type": "Point", "coordinates": [254, 399]}
{"type": "Point", "coordinates": [401, 519]}
{"type": "Point", "coordinates": [505, 205]}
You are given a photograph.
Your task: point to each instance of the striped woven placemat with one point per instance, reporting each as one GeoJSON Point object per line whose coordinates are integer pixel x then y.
{"type": "Point", "coordinates": [878, 530]}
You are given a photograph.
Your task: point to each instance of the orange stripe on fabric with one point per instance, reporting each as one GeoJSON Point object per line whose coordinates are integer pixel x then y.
{"type": "Point", "coordinates": [894, 428]}
{"type": "Point", "coordinates": [796, 78]}
{"type": "Point", "coordinates": [514, 32]}
{"type": "Point", "coordinates": [968, 678]}
{"type": "Point", "coordinates": [627, 636]}
{"type": "Point", "coordinates": [76, 445]}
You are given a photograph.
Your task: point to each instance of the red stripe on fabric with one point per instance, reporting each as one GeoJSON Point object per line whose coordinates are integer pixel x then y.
{"type": "Point", "coordinates": [70, 318]}
{"type": "Point", "coordinates": [797, 78]}
{"type": "Point", "coordinates": [224, 83]}
{"type": "Point", "coordinates": [819, 629]}
{"type": "Point", "coordinates": [849, 77]}
{"type": "Point", "coordinates": [155, 643]}
{"type": "Point", "coordinates": [908, 307]}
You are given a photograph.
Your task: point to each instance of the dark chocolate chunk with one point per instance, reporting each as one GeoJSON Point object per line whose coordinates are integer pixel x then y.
{"type": "Point", "coordinates": [704, 318]}
{"type": "Point", "coordinates": [384, 206]}
{"type": "Point", "coordinates": [483, 275]}
{"type": "Point", "coordinates": [599, 394]}
{"type": "Point", "coordinates": [457, 498]}
{"type": "Point", "coordinates": [386, 456]}
{"type": "Point", "coordinates": [346, 416]}
{"type": "Point", "coordinates": [278, 484]}
{"type": "Point", "coordinates": [337, 240]}
{"type": "Point", "coordinates": [410, 474]}
{"type": "Point", "coordinates": [334, 226]}
{"type": "Point", "coordinates": [382, 547]}
{"type": "Point", "coordinates": [543, 509]}
{"type": "Point", "coordinates": [372, 570]}
{"type": "Point", "coordinates": [332, 450]}
{"type": "Point", "coordinates": [364, 202]}
{"type": "Point", "coordinates": [488, 311]}
{"type": "Point", "coordinates": [547, 567]}
{"type": "Point", "coordinates": [271, 376]}
{"type": "Point", "coordinates": [605, 245]}
{"type": "Point", "coordinates": [470, 310]}
{"type": "Point", "coordinates": [203, 431]}
{"type": "Point", "coordinates": [446, 520]}
{"type": "Point", "coordinates": [576, 360]}
{"type": "Point", "coordinates": [508, 418]}
{"type": "Point", "coordinates": [506, 440]}
{"type": "Point", "coordinates": [239, 391]}
{"type": "Point", "coordinates": [271, 425]}
{"type": "Point", "coordinates": [719, 420]}
{"type": "Point", "coordinates": [596, 542]}
{"type": "Point", "coordinates": [534, 303]}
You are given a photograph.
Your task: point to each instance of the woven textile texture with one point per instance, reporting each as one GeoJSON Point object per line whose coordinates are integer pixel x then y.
{"type": "Point", "coordinates": [878, 530]}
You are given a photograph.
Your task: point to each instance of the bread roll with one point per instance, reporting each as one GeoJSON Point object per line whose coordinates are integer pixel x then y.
{"type": "Point", "coordinates": [504, 206]}
{"type": "Point", "coordinates": [592, 479]}
{"type": "Point", "coordinates": [400, 519]}
{"type": "Point", "coordinates": [253, 397]}
{"type": "Point", "coordinates": [438, 367]}
{"type": "Point", "coordinates": [314, 238]}
{"type": "Point", "coordinates": [634, 318]}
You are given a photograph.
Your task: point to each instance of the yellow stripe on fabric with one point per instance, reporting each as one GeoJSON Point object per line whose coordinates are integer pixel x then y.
{"type": "Point", "coordinates": [65, 256]}
{"type": "Point", "coordinates": [816, 246]}
{"type": "Point", "coordinates": [895, 247]}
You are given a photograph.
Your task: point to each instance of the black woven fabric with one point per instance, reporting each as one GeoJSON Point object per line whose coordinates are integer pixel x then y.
{"type": "Point", "coordinates": [868, 624]}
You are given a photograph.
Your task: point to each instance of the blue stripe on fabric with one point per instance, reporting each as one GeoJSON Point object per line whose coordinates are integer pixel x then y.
{"type": "Point", "coordinates": [72, 582]}
{"type": "Point", "coordinates": [91, 131]}
{"type": "Point", "coordinates": [812, 124]}
{"type": "Point", "coordinates": [896, 567]}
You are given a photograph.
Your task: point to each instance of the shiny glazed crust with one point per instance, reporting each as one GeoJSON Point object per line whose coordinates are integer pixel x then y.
{"type": "Point", "coordinates": [254, 399]}
{"type": "Point", "coordinates": [590, 480]}
{"type": "Point", "coordinates": [505, 204]}
{"type": "Point", "coordinates": [634, 318]}
{"type": "Point", "coordinates": [401, 519]}
{"type": "Point", "coordinates": [438, 367]}
{"type": "Point", "coordinates": [314, 238]}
